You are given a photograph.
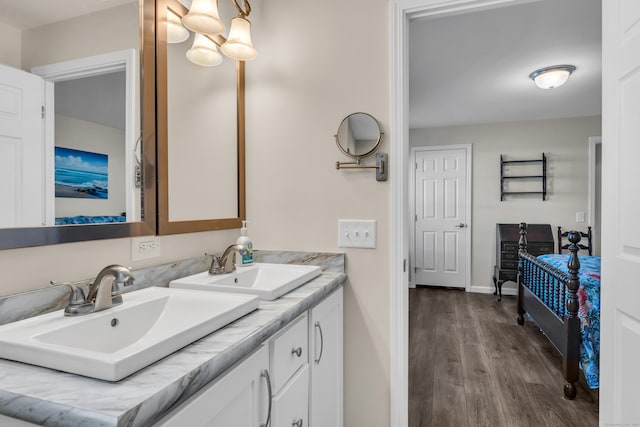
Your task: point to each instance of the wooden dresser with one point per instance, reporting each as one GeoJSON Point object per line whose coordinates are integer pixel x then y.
{"type": "Point", "coordinates": [539, 241]}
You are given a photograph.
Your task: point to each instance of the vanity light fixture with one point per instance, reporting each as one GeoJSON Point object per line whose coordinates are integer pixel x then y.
{"type": "Point", "coordinates": [552, 77]}
{"type": "Point", "coordinates": [204, 20]}
{"type": "Point", "coordinates": [204, 52]}
{"type": "Point", "coordinates": [176, 33]}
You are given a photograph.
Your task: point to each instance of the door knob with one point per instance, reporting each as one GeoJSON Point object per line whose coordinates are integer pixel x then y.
{"type": "Point", "coordinates": [461, 225]}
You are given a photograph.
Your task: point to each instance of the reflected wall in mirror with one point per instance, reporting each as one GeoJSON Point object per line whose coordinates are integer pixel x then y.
{"type": "Point", "coordinates": [200, 134]}
{"type": "Point", "coordinates": [359, 135]}
{"type": "Point", "coordinates": [71, 96]}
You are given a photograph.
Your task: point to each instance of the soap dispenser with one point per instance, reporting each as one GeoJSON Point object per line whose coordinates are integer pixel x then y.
{"type": "Point", "coordinates": [247, 258]}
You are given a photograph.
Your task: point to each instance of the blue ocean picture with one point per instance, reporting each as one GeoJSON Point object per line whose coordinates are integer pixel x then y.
{"type": "Point", "coordinates": [81, 174]}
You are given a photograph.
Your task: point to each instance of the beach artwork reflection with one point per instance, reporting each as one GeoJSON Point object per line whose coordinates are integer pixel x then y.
{"type": "Point", "coordinates": [81, 174]}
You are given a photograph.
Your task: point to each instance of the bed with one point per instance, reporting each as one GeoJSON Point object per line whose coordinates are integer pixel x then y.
{"type": "Point", "coordinates": [85, 219]}
{"type": "Point", "coordinates": [561, 293]}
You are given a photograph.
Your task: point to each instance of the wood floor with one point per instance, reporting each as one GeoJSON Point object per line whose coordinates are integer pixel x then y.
{"type": "Point", "coordinates": [470, 364]}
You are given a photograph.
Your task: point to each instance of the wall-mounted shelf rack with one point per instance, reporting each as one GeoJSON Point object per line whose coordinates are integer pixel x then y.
{"type": "Point", "coordinates": [542, 177]}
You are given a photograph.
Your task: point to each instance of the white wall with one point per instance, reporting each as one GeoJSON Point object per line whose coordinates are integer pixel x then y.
{"type": "Point", "coordinates": [101, 32]}
{"type": "Point", "coordinates": [317, 62]}
{"type": "Point", "coordinates": [10, 45]}
{"type": "Point", "coordinates": [202, 119]}
{"type": "Point", "coordinates": [564, 141]}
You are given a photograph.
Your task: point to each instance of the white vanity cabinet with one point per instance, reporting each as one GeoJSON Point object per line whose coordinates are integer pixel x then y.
{"type": "Point", "coordinates": [303, 363]}
{"type": "Point", "coordinates": [325, 352]}
{"type": "Point", "coordinates": [239, 398]}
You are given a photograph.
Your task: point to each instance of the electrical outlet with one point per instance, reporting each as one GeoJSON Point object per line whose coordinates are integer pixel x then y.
{"type": "Point", "coordinates": [579, 216]}
{"type": "Point", "coordinates": [145, 247]}
{"type": "Point", "coordinates": [353, 233]}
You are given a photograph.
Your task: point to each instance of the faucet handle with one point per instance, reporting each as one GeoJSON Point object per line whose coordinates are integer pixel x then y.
{"type": "Point", "coordinates": [77, 296]}
{"type": "Point", "coordinates": [216, 267]}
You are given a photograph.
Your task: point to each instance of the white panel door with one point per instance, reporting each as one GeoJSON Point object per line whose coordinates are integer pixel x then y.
{"type": "Point", "coordinates": [441, 195]}
{"type": "Point", "coordinates": [620, 292]}
{"type": "Point", "coordinates": [22, 149]}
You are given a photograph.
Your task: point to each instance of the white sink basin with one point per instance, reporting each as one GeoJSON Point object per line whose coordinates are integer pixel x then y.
{"type": "Point", "coordinates": [267, 281]}
{"type": "Point", "coordinates": [111, 344]}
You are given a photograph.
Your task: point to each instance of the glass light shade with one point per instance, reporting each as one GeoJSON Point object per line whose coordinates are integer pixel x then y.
{"type": "Point", "coordinates": [552, 77]}
{"type": "Point", "coordinates": [176, 33]}
{"type": "Point", "coordinates": [238, 45]}
{"type": "Point", "coordinates": [204, 52]}
{"type": "Point", "coordinates": [203, 17]}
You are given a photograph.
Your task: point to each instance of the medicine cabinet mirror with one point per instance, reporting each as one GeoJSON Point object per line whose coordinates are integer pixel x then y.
{"type": "Point", "coordinates": [77, 172]}
{"type": "Point", "coordinates": [201, 168]}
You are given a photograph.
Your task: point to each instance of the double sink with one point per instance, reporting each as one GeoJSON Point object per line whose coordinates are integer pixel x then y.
{"type": "Point", "coordinates": [150, 324]}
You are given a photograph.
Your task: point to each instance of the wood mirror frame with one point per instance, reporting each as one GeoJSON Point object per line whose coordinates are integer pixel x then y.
{"type": "Point", "coordinates": [165, 226]}
{"type": "Point", "coordinates": [38, 236]}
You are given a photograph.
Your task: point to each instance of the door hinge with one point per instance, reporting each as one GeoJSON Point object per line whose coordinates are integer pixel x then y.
{"type": "Point", "coordinates": [404, 265]}
{"type": "Point", "coordinates": [42, 110]}
{"type": "Point", "coordinates": [416, 217]}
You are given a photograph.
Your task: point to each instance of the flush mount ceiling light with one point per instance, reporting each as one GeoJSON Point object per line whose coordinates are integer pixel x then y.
{"type": "Point", "coordinates": [203, 19]}
{"type": "Point", "coordinates": [552, 77]}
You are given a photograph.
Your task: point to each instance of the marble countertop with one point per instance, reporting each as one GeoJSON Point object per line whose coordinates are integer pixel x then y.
{"type": "Point", "coordinates": [52, 398]}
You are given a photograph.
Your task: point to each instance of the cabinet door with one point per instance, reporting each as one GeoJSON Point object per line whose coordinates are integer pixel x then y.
{"type": "Point", "coordinates": [325, 354]}
{"type": "Point", "coordinates": [239, 398]}
{"type": "Point", "coordinates": [291, 405]}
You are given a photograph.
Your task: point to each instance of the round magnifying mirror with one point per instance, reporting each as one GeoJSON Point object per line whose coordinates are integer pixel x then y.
{"type": "Point", "coordinates": [359, 135]}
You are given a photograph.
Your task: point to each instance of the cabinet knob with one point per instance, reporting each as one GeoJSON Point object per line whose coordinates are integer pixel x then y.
{"type": "Point", "coordinates": [297, 423]}
{"type": "Point", "coordinates": [297, 351]}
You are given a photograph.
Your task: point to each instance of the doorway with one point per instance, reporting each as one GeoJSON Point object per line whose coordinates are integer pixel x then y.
{"type": "Point", "coordinates": [402, 12]}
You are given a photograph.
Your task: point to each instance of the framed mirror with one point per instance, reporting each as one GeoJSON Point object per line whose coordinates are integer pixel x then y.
{"type": "Point", "coordinates": [201, 167]}
{"type": "Point", "coordinates": [71, 170]}
{"type": "Point", "coordinates": [359, 135]}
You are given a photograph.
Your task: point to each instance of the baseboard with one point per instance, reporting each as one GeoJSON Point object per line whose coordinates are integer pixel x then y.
{"type": "Point", "coordinates": [491, 289]}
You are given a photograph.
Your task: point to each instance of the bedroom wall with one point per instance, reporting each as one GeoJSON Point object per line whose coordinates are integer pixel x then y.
{"type": "Point", "coordinates": [564, 141]}
{"type": "Point", "coordinates": [93, 137]}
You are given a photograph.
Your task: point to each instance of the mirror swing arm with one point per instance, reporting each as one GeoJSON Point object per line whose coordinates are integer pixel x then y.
{"type": "Point", "coordinates": [380, 167]}
{"type": "Point", "coordinates": [358, 137]}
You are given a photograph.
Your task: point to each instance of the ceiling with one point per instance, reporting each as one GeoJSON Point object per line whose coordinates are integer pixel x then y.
{"type": "Point", "coordinates": [474, 68]}
{"type": "Point", "coordinates": [25, 14]}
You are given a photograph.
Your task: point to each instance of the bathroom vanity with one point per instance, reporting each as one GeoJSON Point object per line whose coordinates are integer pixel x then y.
{"type": "Point", "coordinates": [282, 362]}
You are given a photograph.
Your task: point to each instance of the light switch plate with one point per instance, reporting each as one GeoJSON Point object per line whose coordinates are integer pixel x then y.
{"type": "Point", "coordinates": [357, 233]}
{"type": "Point", "coordinates": [579, 216]}
{"type": "Point", "coordinates": [145, 247]}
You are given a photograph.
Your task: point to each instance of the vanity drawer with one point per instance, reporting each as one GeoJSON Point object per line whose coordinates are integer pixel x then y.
{"type": "Point", "coordinates": [288, 352]}
{"type": "Point", "coordinates": [291, 406]}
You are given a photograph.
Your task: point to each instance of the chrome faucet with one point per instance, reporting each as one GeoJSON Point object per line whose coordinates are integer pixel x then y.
{"type": "Point", "coordinates": [226, 263]}
{"type": "Point", "coordinates": [101, 294]}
